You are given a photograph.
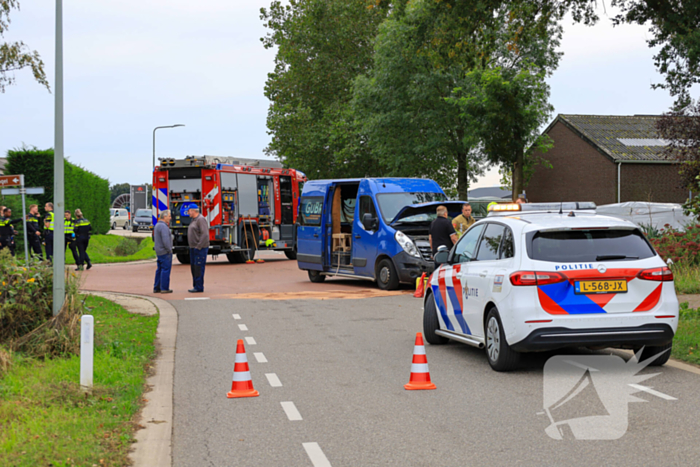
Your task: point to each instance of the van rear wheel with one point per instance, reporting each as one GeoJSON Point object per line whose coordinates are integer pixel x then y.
{"type": "Point", "coordinates": [183, 258]}
{"type": "Point", "coordinates": [316, 276]}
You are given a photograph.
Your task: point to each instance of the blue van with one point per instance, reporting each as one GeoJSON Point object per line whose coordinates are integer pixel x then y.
{"type": "Point", "coordinates": [368, 228]}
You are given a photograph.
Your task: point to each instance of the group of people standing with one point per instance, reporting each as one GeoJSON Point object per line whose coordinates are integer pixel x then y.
{"type": "Point", "coordinates": [76, 231]}
{"type": "Point", "coordinates": [198, 242]}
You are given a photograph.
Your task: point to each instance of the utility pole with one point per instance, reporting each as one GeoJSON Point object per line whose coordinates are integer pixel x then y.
{"type": "Point", "coordinates": [59, 252]}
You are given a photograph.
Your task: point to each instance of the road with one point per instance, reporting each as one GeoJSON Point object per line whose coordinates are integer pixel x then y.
{"type": "Point", "coordinates": [342, 365]}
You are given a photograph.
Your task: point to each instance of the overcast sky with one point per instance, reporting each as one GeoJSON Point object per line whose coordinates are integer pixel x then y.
{"type": "Point", "coordinates": [130, 66]}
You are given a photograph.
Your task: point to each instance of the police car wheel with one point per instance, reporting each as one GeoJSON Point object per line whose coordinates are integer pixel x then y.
{"type": "Point", "coordinates": [431, 323]}
{"type": "Point", "coordinates": [500, 356]}
{"type": "Point", "coordinates": [653, 350]}
{"type": "Point", "coordinates": [315, 276]}
{"type": "Point", "coordinates": [387, 278]}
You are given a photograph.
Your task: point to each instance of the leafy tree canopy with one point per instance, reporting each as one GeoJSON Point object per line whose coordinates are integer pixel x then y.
{"type": "Point", "coordinates": [15, 56]}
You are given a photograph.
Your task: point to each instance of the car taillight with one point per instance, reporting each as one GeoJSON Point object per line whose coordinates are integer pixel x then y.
{"type": "Point", "coordinates": [663, 274]}
{"type": "Point", "coordinates": [536, 278]}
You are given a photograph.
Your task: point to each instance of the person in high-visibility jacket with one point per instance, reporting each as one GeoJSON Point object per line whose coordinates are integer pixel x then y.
{"type": "Point", "coordinates": [48, 231]}
{"type": "Point", "coordinates": [69, 232]}
{"type": "Point", "coordinates": [7, 232]}
{"type": "Point", "coordinates": [82, 238]}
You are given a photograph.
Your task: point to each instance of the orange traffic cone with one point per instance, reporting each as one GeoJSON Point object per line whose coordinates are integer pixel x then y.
{"type": "Point", "coordinates": [420, 376]}
{"type": "Point", "coordinates": [420, 287]}
{"type": "Point", "coordinates": [242, 385]}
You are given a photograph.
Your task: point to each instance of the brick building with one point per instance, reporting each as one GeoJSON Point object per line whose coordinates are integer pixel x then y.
{"type": "Point", "coordinates": [606, 159]}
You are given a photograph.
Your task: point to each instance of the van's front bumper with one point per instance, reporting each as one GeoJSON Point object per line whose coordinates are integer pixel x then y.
{"type": "Point", "coordinates": [409, 268]}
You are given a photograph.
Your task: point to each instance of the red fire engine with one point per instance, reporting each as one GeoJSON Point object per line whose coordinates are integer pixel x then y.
{"type": "Point", "coordinates": [249, 204]}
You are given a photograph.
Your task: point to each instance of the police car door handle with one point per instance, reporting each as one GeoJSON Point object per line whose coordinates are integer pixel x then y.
{"type": "Point", "coordinates": [483, 273]}
{"type": "Point", "coordinates": [458, 275]}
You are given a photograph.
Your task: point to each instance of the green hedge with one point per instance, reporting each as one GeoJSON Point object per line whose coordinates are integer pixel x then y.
{"type": "Point", "coordinates": [83, 189]}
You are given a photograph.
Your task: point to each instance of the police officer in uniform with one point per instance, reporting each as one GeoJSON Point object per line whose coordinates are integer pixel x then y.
{"type": "Point", "coordinates": [82, 238]}
{"type": "Point", "coordinates": [34, 231]}
{"type": "Point", "coordinates": [48, 232]}
{"type": "Point", "coordinates": [69, 232]}
{"type": "Point", "coordinates": [6, 231]}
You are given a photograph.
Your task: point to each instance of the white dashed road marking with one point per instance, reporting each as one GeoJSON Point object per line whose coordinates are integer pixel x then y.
{"type": "Point", "coordinates": [260, 357]}
{"type": "Point", "coordinates": [250, 341]}
{"type": "Point", "coordinates": [291, 410]}
{"type": "Point", "coordinates": [273, 380]}
{"type": "Point", "coordinates": [318, 458]}
{"type": "Point", "coordinates": [654, 393]}
{"type": "Point", "coordinates": [235, 316]}
{"type": "Point", "coordinates": [242, 327]}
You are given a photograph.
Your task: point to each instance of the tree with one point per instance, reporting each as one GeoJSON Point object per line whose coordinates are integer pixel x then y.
{"type": "Point", "coordinates": [681, 130]}
{"type": "Point", "coordinates": [322, 45]}
{"type": "Point", "coordinates": [15, 56]}
{"type": "Point", "coordinates": [675, 29]}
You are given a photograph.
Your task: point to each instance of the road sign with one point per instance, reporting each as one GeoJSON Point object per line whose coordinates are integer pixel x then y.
{"type": "Point", "coordinates": [17, 191]}
{"type": "Point", "coordinates": [10, 180]}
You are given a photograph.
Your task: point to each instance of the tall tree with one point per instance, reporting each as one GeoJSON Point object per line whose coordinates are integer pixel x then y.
{"type": "Point", "coordinates": [675, 34]}
{"type": "Point", "coordinates": [15, 56]}
{"type": "Point", "coordinates": [681, 130]}
{"type": "Point", "coordinates": [322, 45]}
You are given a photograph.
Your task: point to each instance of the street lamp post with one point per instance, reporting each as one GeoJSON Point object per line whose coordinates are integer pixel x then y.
{"type": "Point", "coordinates": [154, 139]}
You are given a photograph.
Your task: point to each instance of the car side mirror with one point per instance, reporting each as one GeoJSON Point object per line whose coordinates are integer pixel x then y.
{"type": "Point", "coordinates": [441, 256]}
{"type": "Point", "coordinates": [369, 222]}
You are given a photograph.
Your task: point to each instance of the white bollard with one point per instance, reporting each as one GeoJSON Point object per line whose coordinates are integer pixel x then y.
{"type": "Point", "coordinates": [87, 333]}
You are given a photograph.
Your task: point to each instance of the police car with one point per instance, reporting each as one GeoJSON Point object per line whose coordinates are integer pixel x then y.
{"type": "Point", "coordinates": [538, 276]}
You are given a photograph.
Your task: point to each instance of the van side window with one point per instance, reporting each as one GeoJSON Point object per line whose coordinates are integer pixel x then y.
{"type": "Point", "coordinates": [490, 243]}
{"type": "Point", "coordinates": [310, 210]}
{"type": "Point", "coordinates": [507, 245]}
{"type": "Point", "coordinates": [367, 206]}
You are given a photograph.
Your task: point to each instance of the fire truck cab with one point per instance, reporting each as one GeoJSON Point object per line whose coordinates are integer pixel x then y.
{"type": "Point", "coordinates": [249, 204]}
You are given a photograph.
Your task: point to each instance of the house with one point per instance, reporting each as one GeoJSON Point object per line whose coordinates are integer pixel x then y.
{"type": "Point", "coordinates": [499, 192]}
{"type": "Point", "coordinates": [3, 162]}
{"type": "Point", "coordinates": [606, 159]}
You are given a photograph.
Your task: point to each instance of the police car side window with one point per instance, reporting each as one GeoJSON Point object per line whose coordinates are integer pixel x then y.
{"type": "Point", "coordinates": [464, 251]}
{"type": "Point", "coordinates": [490, 243]}
{"type": "Point", "coordinates": [507, 245]}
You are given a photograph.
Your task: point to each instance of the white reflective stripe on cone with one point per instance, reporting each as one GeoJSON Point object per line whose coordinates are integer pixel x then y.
{"type": "Point", "coordinates": [242, 376]}
{"type": "Point", "coordinates": [419, 368]}
{"type": "Point", "coordinates": [419, 350]}
{"type": "Point", "coordinates": [241, 358]}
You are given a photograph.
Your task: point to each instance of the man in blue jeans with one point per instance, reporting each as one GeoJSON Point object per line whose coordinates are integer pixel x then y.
{"type": "Point", "coordinates": [198, 241]}
{"type": "Point", "coordinates": [164, 251]}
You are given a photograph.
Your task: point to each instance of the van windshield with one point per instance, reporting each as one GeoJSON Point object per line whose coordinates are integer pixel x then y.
{"type": "Point", "coordinates": [391, 203]}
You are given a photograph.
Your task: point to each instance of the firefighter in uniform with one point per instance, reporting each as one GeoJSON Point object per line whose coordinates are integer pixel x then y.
{"type": "Point", "coordinates": [69, 231]}
{"type": "Point", "coordinates": [34, 231]}
{"type": "Point", "coordinates": [82, 238]}
{"type": "Point", "coordinates": [48, 232]}
{"type": "Point", "coordinates": [7, 232]}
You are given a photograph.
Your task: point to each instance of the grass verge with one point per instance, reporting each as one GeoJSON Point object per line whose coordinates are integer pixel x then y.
{"type": "Point", "coordinates": [686, 279]}
{"type": "Point", "coordinates": [686, 343]}
{"type": "Point", "coordinates": [111, 249]}
{"type": "Point", "coordinates": [45, 419]}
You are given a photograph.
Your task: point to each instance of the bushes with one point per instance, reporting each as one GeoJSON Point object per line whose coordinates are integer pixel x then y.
{"type": "Point", "coordinates": [27, 323]}
{"type": "Point", "coordinates": [83, 189]}
{"type": "Point", "coordinates": [127, 247]}
{"type": "Point", "coordinates": [679, 246]}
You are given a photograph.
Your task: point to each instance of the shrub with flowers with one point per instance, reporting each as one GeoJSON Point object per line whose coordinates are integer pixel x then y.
{"type": "Point", "coordinates": [679, 246]}
{"type": "Point", "coordinates": [27, 323]}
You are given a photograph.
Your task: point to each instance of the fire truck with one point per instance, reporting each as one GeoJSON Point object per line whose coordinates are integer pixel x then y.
{"type": "Point", "coordinates": [249, 204]}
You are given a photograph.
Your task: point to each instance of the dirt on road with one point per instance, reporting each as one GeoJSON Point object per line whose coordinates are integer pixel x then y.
{"type": "Point", "coordinates": [276, 279]}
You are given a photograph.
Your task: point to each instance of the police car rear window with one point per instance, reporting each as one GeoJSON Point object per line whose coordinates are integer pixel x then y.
{"type": "Point", "coordinates": [588, 245]}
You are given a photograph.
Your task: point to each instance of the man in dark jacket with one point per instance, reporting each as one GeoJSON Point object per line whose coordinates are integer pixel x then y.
{"type": "Point", "coordinates": [198, 241]}
{"type": "Point", "coordinates": [7, 232]}
{"type": "Point", "coordinates": [34, 231]}
{"type": "Point", "coordinates": [442, 232]}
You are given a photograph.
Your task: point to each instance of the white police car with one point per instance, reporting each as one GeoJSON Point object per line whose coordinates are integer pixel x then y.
{"type": "Point", "coordinates": [542, 276]}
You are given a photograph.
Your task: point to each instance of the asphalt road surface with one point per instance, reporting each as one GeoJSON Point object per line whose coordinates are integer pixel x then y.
{"type": "Point", "coordinates": [342, 365]}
